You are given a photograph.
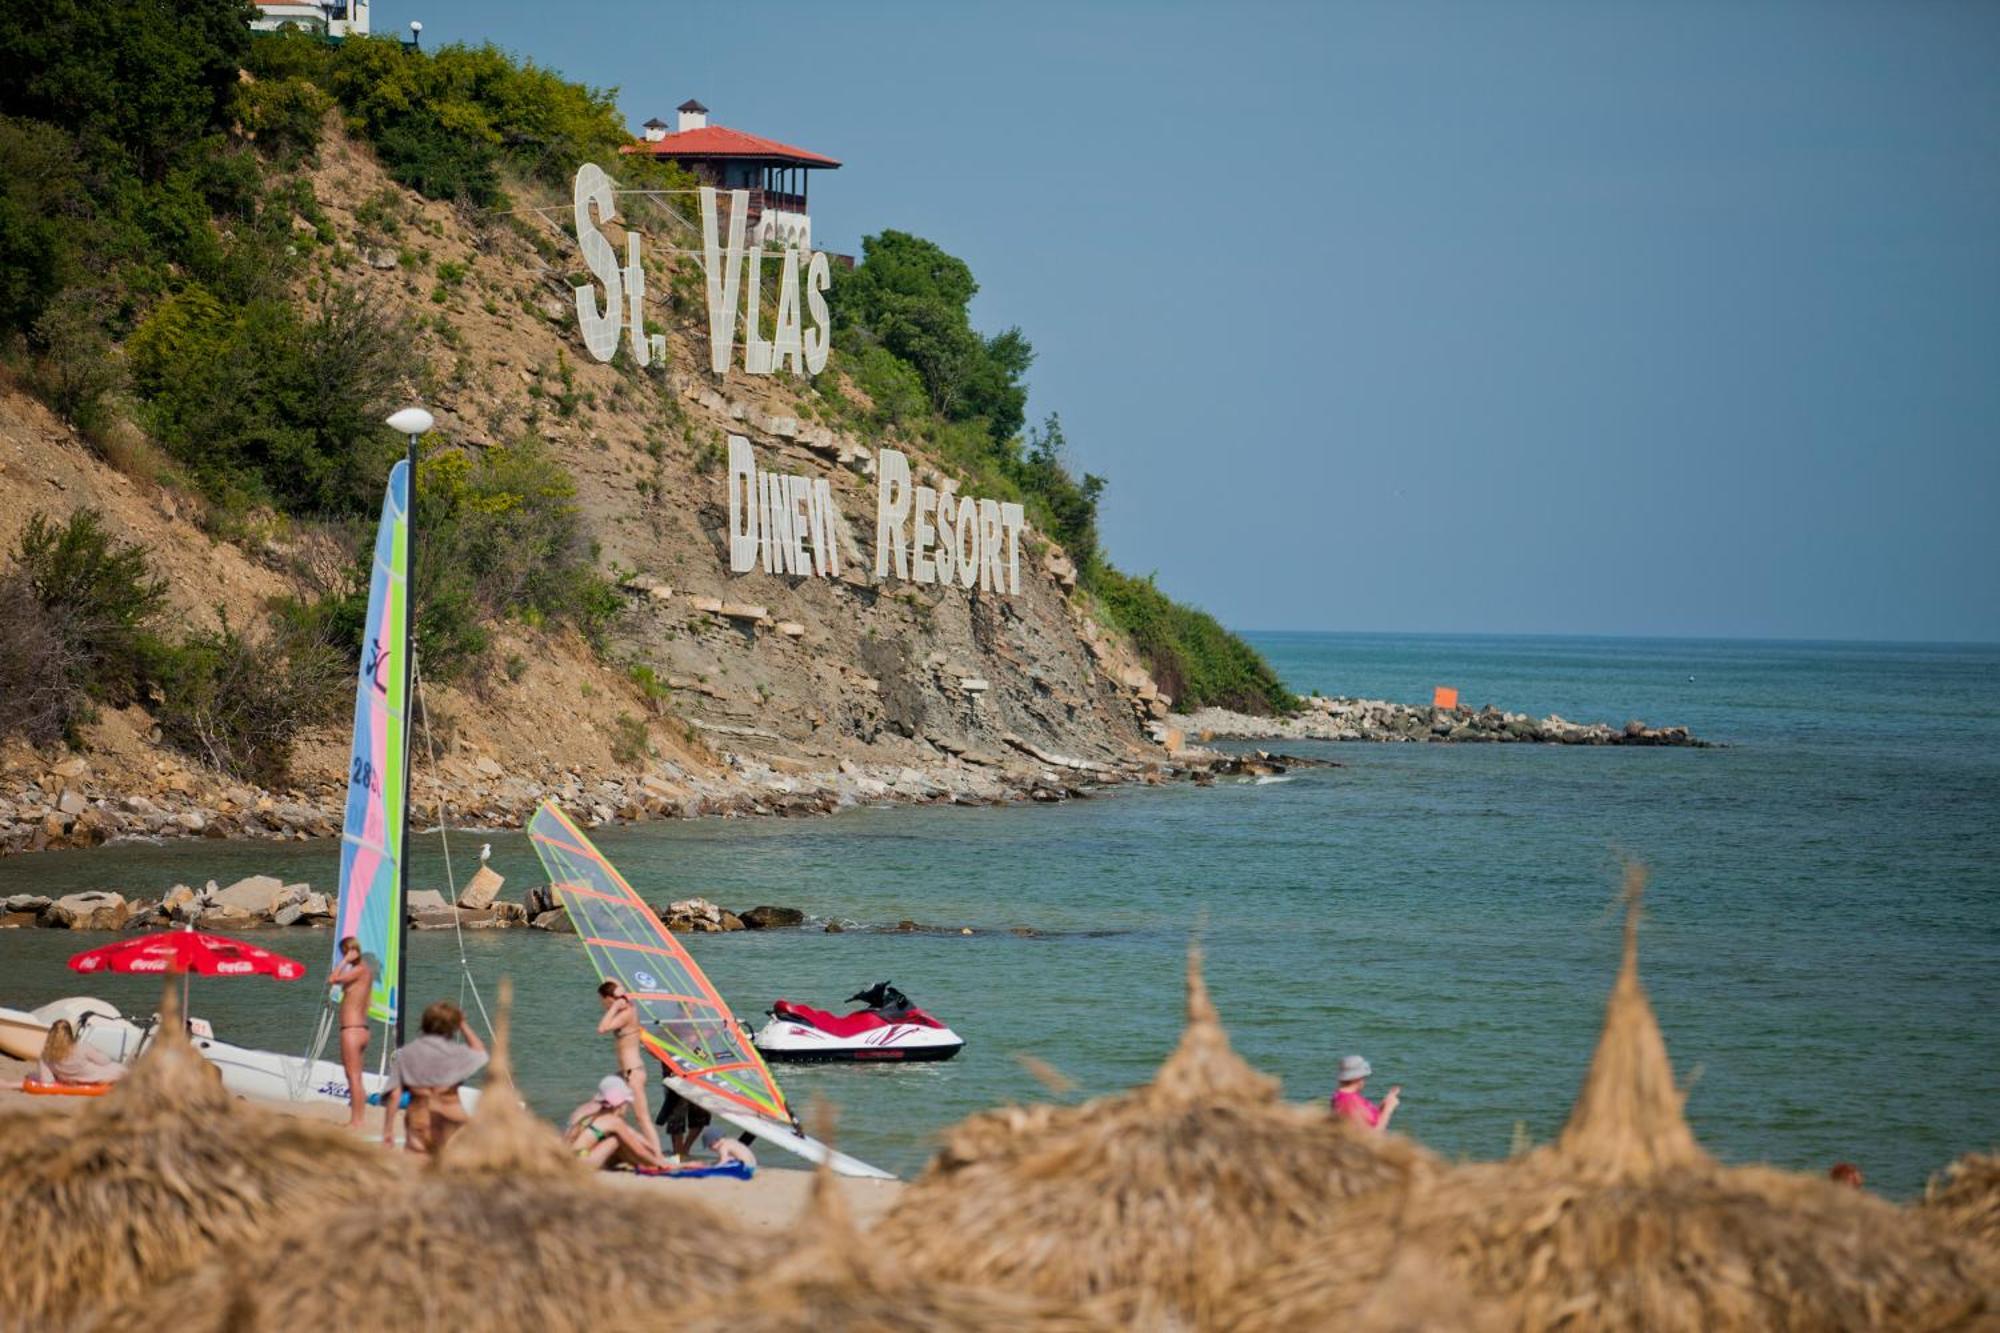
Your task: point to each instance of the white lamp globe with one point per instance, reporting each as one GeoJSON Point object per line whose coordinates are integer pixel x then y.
{"type": "Point", "coordinates": [412, 421]}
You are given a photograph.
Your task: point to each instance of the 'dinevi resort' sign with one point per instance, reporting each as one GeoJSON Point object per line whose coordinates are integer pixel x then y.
{"type": "Point", "coordinates": [785, 523]}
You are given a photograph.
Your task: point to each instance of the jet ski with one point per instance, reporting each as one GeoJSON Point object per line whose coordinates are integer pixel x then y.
{"type": "Point", "coordinates": [889, 1029]}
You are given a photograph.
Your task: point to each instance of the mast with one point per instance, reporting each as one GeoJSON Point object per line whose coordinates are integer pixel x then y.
{"type": "Point", "coordinates": [412, 422]}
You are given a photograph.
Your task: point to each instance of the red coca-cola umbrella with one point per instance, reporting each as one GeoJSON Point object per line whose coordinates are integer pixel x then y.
{"type": "Point", "coordinates": [186, 951]}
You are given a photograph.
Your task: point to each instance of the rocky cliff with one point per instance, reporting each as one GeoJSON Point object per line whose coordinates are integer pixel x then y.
{"type": "Point", "coordinates": [761, 691]}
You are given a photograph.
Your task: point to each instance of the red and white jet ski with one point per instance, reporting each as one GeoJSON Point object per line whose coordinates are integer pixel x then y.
{"type": "Point", "coordinates": [889, 1029]}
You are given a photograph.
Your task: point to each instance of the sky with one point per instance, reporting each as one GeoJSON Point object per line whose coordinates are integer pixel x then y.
{"type": "Point", "coordinates": [1592, 318]}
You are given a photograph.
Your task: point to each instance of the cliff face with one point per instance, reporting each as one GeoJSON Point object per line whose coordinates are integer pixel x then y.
{"type": "Point", "coordinates": [777, 688]}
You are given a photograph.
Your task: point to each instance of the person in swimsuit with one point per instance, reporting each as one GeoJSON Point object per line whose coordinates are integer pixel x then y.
{"type": "Point", "coordinates": [430, 1069]}
{"type": "Point", "coordinates": [355, 978]}
{"type": "Point", "coordinates": [66, 1060]}
{"type": "Point", "coordinates": [599, 1133]}
{"type": "Point", "coordinates": [1351, 1106]}
{"type": "Point", "coordinates": [621, 1020]}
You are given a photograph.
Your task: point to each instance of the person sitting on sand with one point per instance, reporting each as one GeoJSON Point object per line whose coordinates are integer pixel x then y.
{"type": "Point", "coordinates": [600, 1134]}
{"type": "Point", "coordinates": [66, 1060]}
{"type": "Point", "coordinates": [1350, 1105]}
{"type": "Point", "coordinates": [430, 1069]}
{"type": "Point", "coordinates": [621, 1020]}
{"type": "Point", "coordinates": [727, 1149]}
{"type": "Point", "coordinates": [355, 978]}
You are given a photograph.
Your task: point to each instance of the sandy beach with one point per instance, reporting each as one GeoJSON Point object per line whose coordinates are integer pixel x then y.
{"type": "Point", "coordinates": [767, 1204]}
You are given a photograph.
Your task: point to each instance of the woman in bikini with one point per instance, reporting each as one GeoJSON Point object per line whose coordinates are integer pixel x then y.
{"type": "Point", "coordinates": [621, 1020]}
{"type": "Point", "coordinates": [356, 979]}
{"type": "Point", "coordinates": [599, 1132]}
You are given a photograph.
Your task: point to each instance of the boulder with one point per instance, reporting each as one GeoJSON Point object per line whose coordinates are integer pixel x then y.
{"type": "Point", "coordinates": [556, 921]}
{"type": "Point", "coordinates": [72, 803]}
{"type": "Point", "coordinates": [316, 905]}
{"type": "Point", "coordinates": [94, 910]}
{"type": "Point", "coordinates": [288, 915]}
{"type": "Point", "coordinates": [434, 918]}
{"type": "Point", "coordinates": [221, 916]}
{"type": "Point", "coordinates": [258, 895]}
{"type": "Point", "coordinates": [694, 916]}
{"type": "Point", "coordinates": [181, 904]}
{"type": "Point", "coordinates": [480, 891]}
{"type": "Point", "coordinates": [25, 902]}
{"type": "Point", "coordinates": [425, 900]}
{"type": "Point", "coordinates": [772, 918]}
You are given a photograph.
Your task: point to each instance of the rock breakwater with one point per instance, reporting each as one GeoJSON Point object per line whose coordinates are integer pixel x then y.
{"type": "Point", "coordinates": [1342, 719]}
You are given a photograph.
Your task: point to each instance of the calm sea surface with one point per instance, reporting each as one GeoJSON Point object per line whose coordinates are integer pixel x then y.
{"type": "Point", "coordinates": [1822, 939]}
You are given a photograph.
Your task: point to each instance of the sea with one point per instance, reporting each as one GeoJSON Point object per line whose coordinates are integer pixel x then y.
{"type": "Point", "coordinates": [1821, 935]}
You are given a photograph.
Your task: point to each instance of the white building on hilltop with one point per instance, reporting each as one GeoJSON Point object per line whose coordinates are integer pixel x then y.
{"type": "Point", "coordinates": [335, 18]}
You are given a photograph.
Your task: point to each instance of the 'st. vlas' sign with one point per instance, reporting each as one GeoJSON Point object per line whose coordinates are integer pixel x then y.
{"type": "Point", "coordinates": [786, 523]}
{"type": "Point", "coordinates": [735, 275]}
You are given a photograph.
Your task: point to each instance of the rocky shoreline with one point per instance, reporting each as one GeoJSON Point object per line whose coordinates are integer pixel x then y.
{"type": "Point", "coordinates": [1342, 719]}
{"type": "Point", "coordinates": [56, 801]}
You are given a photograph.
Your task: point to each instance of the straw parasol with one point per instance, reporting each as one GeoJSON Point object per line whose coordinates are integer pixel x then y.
{"type": "Point", "coordinates": [1966, 1200]}
{"type": "Point", "coordinates": [832, 1279]}
{"type": "Point", "coordinates": [1625, 1223]}
{"type": "Point", "coordinates": [152, 1178]}
{"type": "Point", "coordinates": [1159, 1198]}
{"type": "Point", "coordinates": [506, 1229]}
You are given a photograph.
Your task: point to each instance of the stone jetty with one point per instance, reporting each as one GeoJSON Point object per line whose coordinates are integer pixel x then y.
{"type": "Point", "coordinates": [1340, 719]}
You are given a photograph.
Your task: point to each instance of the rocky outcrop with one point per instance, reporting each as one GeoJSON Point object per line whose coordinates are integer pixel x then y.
{"type": "Point", "coordinates": [86, 911]}
{"type": "Point", "coordinates": [1325, 719]}
{"type": "Point", "coordinates": [773, 918]}
{"type": "Point", "coordinates": [695, 916]}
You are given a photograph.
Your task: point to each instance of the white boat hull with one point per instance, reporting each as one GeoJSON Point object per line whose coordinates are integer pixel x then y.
{"type": "Point", "coordinates": [800, 1043]}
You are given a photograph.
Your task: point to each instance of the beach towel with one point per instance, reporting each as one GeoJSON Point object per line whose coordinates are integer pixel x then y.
{"type": "Point", "coordinates": [436, 1062]}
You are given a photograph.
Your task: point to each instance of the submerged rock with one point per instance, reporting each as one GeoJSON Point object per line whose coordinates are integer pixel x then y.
{"type": "Point", "coordinates": [773, 918]}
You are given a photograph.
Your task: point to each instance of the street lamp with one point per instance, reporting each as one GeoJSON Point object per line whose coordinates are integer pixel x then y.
{"type": "Point", "coordinates": [410, 422]}
{"type": "Point", "coordinates": [416, 32]}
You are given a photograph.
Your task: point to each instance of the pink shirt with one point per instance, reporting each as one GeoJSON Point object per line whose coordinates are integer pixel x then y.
{"type": "Point", "coordinates": [1357, 1108]}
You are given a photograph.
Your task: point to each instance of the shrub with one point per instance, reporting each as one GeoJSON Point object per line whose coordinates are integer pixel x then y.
{"type": "Point", "coordinates": [42, 674]}
{"type": "Point", "coordinates": [284, 116]}
{"type": "Point", "coordinates": [239, 702]}
{"type": "Point", "coordinates": [77, 367]}
{"type": "Point", "coordinates": [629, 739]}
{"type": "Point", "coordinates": [1191, 656]}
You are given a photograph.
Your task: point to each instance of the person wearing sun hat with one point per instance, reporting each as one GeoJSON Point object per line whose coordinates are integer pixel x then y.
{"type": "Point", "coordinates": [602, 1134]}
{"type": "Point", "coordinates": [1350, 1105]}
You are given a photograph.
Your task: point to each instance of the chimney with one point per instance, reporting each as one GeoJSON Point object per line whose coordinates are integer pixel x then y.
{"type": "Point", "coordinates": [656, 130]}
{"type": "Point", "coordinates": [694, 116]}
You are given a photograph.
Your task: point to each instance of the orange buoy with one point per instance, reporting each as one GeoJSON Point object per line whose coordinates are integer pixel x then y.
{"type": "Point", "coordinates": [1444, 696]}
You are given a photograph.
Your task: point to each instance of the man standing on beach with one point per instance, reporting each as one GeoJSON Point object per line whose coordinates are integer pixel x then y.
{"type": "Point", "coordinates": [355, 976]}
{"type": "Point", "coordinates": [621, 1020]}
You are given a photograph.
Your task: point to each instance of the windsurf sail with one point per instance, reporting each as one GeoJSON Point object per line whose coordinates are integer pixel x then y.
{"type": "Point", "coordinates": [685, 1023]}
{"type": "Point", "coordinates": [372, 841]}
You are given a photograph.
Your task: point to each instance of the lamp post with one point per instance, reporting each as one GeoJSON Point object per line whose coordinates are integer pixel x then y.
{"type": "Point", "coordinates": [410, 422]}
{"type": "Point", "coordinates": [416, 33]}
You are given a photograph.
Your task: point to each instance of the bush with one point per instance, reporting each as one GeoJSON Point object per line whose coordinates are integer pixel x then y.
{"type": "Point", "coordinates": [42, 675]}
{"type": "Point", "coordinates": [264, 406]}
{"type": "Point", "coordinates": [284, 116]}
{"type": "Point", "coordinates": [239, 703]}
{"type": "Point", "coordinates": [77, 367]}
{"type": "Point", "coordinates": [629, 739]}
{"type": "Point", "coordinates": [1191, 656]}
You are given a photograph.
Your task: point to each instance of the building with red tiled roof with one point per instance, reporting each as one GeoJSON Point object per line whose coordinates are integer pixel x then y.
{"type": "Point", "coordinates": [775, 174]}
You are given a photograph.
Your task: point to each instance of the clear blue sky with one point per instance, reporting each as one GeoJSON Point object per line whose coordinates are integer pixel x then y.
{"type": "Point", "coordinates": [1594, 317]}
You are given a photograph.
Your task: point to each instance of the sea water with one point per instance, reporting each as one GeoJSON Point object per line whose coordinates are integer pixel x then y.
{"type": "Point", "coordinates": [1821, 938]}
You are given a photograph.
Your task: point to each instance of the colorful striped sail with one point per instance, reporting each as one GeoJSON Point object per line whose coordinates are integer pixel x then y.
{"type": "Point", "coordinates": [685, 1023]}
{"type": "Point", "coordinates": [371, 843]}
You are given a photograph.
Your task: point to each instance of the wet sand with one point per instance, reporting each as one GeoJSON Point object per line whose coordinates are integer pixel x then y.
{"type": "Point", "coordinates": [767, 1203]}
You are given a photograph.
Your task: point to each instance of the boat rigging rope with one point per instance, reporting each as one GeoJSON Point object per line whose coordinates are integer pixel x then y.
{"type": "Point", "coordinates": [465, 981]}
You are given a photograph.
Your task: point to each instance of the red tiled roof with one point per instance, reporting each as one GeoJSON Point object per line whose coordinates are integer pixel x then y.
{"type": "Point", "coordinates": [721, 141]}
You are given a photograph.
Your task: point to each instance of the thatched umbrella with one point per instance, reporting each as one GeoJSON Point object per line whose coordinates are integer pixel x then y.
{"type": "Point", "coordinates": [1625, 1223]}
{"type": "Point", "coordinates": [506, 1229]}
{"type": "Point", "coordinates": [1966, 1200]}
{"type": "Point", "coordinates": [149, 1180]}
{"type": "Point", "coordinates": [1159, 1198]}
{"type": "Point", "coordinates": [832, 1279]}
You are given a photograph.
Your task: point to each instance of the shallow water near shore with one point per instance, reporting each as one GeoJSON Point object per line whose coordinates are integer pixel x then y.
{"type": "Point", "coordinates": [1822, 939]}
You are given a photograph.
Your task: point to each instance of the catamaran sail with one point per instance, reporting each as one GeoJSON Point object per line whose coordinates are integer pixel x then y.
{"type": "Point", "coordinates": [685, 1024]}
{"type": "Point", "coordinates": [371, 844]}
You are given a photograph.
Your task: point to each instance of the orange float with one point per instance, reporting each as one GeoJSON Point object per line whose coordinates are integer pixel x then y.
{"type": "Point", "coordinates": [34, 1087]}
